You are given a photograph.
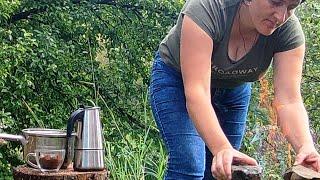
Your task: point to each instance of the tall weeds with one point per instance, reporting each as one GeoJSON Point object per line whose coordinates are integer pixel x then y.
{"type": "Point", "coordinates": [136, 156]}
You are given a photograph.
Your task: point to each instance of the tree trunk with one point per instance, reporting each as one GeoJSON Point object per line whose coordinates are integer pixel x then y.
{"type": "Point", "coordinates": [23, 172]}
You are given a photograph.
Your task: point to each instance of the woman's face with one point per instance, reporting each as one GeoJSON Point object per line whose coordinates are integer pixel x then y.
{"type": "Point", "coordinates": [268, 15]}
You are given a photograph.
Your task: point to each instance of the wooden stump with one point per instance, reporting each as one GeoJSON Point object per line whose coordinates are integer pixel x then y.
{"type": "Point", "coordinates": [26, 173]}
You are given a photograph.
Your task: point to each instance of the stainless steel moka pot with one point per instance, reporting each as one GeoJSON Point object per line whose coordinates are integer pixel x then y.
{"type": "Point", "coordinates": [89, 151]}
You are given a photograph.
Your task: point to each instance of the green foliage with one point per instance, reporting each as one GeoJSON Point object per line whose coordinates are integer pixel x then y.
{"type": "Point", "coordinates": [57, 55]}
{"type": "Point", "coordinates": [7, 7]}
{"type": "Point", "coordinates": [310, 16]}
{"type": "Point", "coordinates": [135, 155]}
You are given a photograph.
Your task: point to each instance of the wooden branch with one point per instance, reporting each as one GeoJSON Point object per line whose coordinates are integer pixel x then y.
{"type": "Point", "coordinates": [122, 112]}
{"type": "Point", "coordinates": [130, 118]}
{"type": "Point", "coordinates": [26, 14]}
{"type": "Point", "coordinates": [129, 7]}
{"type": "Point", "coordinates": [309, 78]}
{"type": "Point", "coordinates": [136, 8]}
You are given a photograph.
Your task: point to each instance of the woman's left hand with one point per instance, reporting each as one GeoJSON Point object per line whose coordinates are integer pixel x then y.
{"type": "Point", "coordinates": [308, 157]}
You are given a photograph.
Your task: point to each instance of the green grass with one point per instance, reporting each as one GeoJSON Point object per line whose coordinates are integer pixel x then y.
{"type": "Point", "coordinates": [137, 155]}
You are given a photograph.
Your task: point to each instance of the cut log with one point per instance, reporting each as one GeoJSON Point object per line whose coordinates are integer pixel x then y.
{"type": "Point", "coordinates": [246, 172]}
{"type": "Point", "coordinates": [23, 172]}
{"type": "Point", "coordinates": [300, 172]}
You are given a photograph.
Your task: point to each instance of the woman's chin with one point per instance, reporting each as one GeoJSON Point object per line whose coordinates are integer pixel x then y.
{"type": "Point", "coordinates": [266, 31]}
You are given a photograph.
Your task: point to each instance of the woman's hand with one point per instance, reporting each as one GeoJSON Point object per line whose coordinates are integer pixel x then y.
{"type": "Point", "coordinates": [222, 161]}
{"type": "Point", "coordinates": [308, 156]}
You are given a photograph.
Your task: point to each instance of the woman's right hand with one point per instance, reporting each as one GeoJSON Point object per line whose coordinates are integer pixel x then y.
{"type": "Point", "coordinates": [222, 161]}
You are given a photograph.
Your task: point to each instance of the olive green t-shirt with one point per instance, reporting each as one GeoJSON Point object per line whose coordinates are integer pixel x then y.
{"type": "Point", "coordinates": [215, 17]}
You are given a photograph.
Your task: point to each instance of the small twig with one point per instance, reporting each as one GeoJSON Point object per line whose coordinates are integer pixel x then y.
{"type": "Point", "coordinates": [40, 123]}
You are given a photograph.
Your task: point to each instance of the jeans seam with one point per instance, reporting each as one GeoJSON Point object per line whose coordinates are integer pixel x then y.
{"type": "Point", "coordinates": [164, 136]}
{"type": "Point", "coordinates": [160, 124]}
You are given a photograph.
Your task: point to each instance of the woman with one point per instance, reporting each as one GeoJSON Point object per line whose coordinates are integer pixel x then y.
{"type": "Point", "coordinates": [201, 83]}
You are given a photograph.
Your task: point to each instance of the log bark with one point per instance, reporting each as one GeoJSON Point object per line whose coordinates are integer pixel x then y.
{"type": "Point", "coordinates": [300, 172]}
{"type": "Point", "coordinates": [246, 172]}
{"type": "Point", "coordinates": [23, 172]}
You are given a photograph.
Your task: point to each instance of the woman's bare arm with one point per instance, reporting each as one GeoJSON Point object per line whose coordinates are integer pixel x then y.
{"type": "Point", "coordinates": [292, 115]}
{"type": "Point", "coordinates": [195, 58]}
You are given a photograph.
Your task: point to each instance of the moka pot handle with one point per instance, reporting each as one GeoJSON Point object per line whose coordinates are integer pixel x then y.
{"type": "Point", "coordinates": [77, 115]}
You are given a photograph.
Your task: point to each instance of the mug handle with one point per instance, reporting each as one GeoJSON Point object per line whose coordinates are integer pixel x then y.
{"type": "Point", "coordinates": [29, 162]}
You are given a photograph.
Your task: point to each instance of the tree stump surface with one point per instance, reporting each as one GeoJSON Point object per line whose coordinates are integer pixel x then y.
{"type": "Point", "coordinates": [246, 172]}
{"type": "Point", "coordinates": [300, 172]}
{"type": "Point", "coordinates": [27, 173]}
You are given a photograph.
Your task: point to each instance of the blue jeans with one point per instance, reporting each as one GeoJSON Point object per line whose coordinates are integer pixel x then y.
{"type": "Point", "coordinates": [189, 158]}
